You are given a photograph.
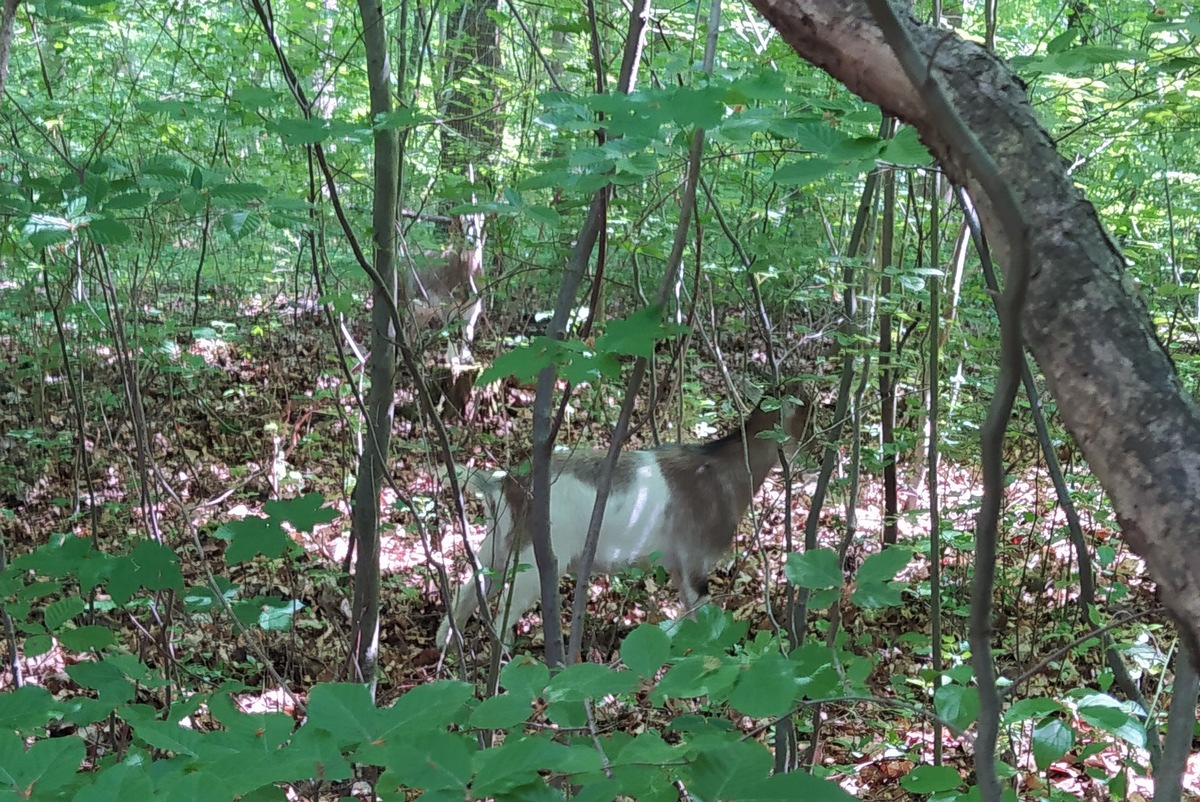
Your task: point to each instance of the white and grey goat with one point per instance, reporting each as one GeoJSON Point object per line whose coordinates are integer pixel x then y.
{"type": "Point", "coordinates": [679, 503]}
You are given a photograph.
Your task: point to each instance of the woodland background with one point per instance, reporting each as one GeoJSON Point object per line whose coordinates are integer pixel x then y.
{"type": "Point", "coordinates": [221, 580]}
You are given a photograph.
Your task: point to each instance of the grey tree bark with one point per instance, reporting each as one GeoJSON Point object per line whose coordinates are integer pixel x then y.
{"type": "Point", "coordinates": [1116, 388]}
{"type": "Point", "coordinates": [382, 364]}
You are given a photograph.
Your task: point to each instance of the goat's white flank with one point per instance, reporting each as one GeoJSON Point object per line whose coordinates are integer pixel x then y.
{"type": "Point", "coordinates": [680, 504]}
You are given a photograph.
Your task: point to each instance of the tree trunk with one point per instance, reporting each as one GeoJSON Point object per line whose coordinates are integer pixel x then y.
{"type": "Point", "coordinates": [381, 397]}
{"type": "Point", "coordinates": [1116, 388]}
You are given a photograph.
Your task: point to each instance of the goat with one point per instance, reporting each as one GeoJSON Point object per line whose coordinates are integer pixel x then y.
{"type": "Point", "coordinates": [434, 280]}
{"type": "Point", "coordinates": [681, 503]}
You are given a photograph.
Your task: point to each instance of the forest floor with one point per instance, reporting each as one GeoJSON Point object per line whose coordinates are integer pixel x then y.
{"type": "Point", "coordinates": [266, 416]}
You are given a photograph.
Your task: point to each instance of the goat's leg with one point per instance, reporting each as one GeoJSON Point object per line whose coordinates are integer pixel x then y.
{"type": "Point", "coordinates": [522, 596]}
{"type": "Point", "coordinates": [466, 601]}
{"type": "Point", "coordinates": [693, 590]}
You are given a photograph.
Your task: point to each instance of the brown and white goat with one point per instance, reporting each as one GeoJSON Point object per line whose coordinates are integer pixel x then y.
{"type": "Point", "coordinates": [680, 503]}
{"type": "Point", "coordinates": [441, 285]}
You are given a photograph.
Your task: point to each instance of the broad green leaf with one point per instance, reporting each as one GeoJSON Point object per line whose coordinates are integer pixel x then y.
{"type": "Point", "coordinates": [128, 201]}
{"type": "Point", "coordinates": [27, 707]}
{"type": "Point", "coordinates": [1103, 711]}
{"type": "Point", "coordinates": [432, 761]}
{"type": "Point", "coordinates": [710, 630]}
{"type": "Point", "coordinates": [519, 760]}
{"type": "Point", "coordinates": [47, 765]}
{"type": "Point", "coordinates": [905, 149]}
{"type": "Point", "coordinates": [239, 192]}
{"type": "Point", "coordinates": [701, 675]}
{"type": "Point", "coordinates": [816, 569]}
{"type": "Point", "coordinates": [502, 711]}
{"type": "Point", "coordinates": [305, 513]}
{"type": "Point", "coordinates": [525, 676]}
{"type": "Point", "coordinates": [1051, 740]}
{"type": "Point", "coordinates": [107, 231]}
{"type": "Point", "coordinates": [86, 638]}
{"type": "Point", "coordinates": [636, 334]}
{"type": "Point", "coordinates": [62, 611]}
{"type": "Point", "coordinates": [543, 215]}
{"type": "Point", "coordinates": [345, 711]}
{"type": "Point", "coordinates": [589, 681]}
{"type": "Point", "coordinates": [106, 677]}
{"type": "Point", "coordinates": [767, 688]}
{"type": "Point", "coordinates": [805, 172]}
{"type": "Point", "coordinates": [427, 707]}
{"type": "Point", "coordinates": [1025, 709]}
{"type": "Point", "coordinates": [646, 649]}
{"type": "Point", "coordinates": [931, 780]}
{"type": "Point", "coordinates": [957, 705]}
{"type": "Point", "coordinates": [252, 536]}
{"type": "Point", "coordinates": [884, 566]}
{"type": "Point", "coordinates": [150, 565]}
{"type": "Point", "coordinates": [128, 780]}
{"type": "Point", "coordinates": [724, 770]}
{"type": "Point", "coordinates": [791, 787]}
{"type": "Point", "coordinates": [402, 117]}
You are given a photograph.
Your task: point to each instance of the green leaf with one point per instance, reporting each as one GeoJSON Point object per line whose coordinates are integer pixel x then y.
{"type": "Point", "coordinates": [107, 678]}
{"type": "Point", "coordinates": [636, 334]}
{"type": "Point", "coordinates": [876, 595]}
{"type": "Point", "coordinates": [48, 764]}
{"type": "Point", "coordinates": [905, 149]}
{"type": "Point", "coordinates": [242, 223]}
{"type": "Point", "coordinates": [238, 192]}
{"type": "Point", "coordinates": [542, 215]}
{"type": "Point", "coordinates": [767, 688]}
{"type": "Point", "coordinates": [957, 705]}
{"type": "Point", "coordinates": [588, 681]}
{"type": "Point", "coordinates": [302, 131]}
{"type": "Point", "coordinates": [710, 629]}
{"type": "Point", "coordinates": [29, 706]}
{"type": "Point", "coordinates": [519, 760]}
{"type": "Point", "coordinates": [701, 107]}
{"type": "Point", "coordinates": [47, 230]}
{"type": "Point", "coordinates": [1051, 740]}
{"type": "Point", "coordinates": [646, 649]}
{"type": "Point", "coordinates": [128, 780]}
{"type": "Point", "coordinates": [86, 638]}
{"type": "Point", "coordinates": [525, 676]}
{"type": "Point", "coordinates": [931, 780]}
{"type": "Point", "coordinates": [305, 513]}
{"type": "Point", "coordinates": [150, 565]}
{"type": "Point", "coordinates": [63, 611]}
{"type": "Point", "coordinates": [503, 711]}
{"type": "Point", "coordinates": [725, 769]}
{"type": "Point", "coordinates": [701, 675]}
{"type": "Point", "coordinates": [792, 786]}
{"type": "Point", "coordinates": [884, 566]}
{"type": "Point", "coordinates": [129, 200]}
{"type": "Point", "coordinates": [815, 674]}
{"type": "Point", "coordinates": [345, 711]}
{"type": "Point", "coordinates": [106, 231]}
{"type": "Point", "coordinates": [523, 363]}
{"type": "Point", "coordinates": [1103, 711]}
{"type": "Point", "coordinates": [269, 613]}
{"type": "Point", "coordinates": [428, 707]}
{"type": "Point", "coordinates": [805, 172]}
{"type": "Point", "coordinates": [816, 569]}
{"type": "Point", "coordinates": [432, 762]}
{"type": "Point", "coordinates": [252, 536]}
{"type": "Point", "coordinates": [1025, 709]}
